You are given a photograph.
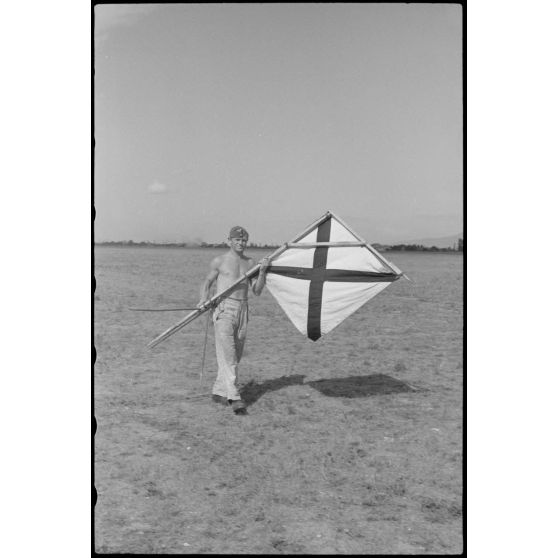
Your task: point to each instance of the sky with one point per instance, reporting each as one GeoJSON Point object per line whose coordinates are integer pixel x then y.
{"type": "Point", "coordinates": [268, 115]}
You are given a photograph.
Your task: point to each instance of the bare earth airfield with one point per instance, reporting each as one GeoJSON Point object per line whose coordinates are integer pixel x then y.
{"type": "Point", "coordinates": [351, 445]}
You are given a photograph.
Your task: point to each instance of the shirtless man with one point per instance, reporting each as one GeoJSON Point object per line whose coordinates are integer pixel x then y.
{"type": "Point", "coordinates": [230, 317]}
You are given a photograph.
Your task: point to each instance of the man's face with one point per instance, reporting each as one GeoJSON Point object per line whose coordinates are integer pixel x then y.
{"type": "Point", "coordinates": [238, 243]}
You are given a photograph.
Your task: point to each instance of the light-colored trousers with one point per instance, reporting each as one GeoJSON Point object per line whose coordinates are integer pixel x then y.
{"type": "Point", "coordinates": [230, 320]}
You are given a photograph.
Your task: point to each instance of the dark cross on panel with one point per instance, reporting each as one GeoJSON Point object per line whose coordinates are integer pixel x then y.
{"type": "Point", "coordinates": [318, 274]}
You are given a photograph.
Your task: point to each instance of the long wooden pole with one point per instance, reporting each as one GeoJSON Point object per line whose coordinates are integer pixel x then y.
{"type": "Point", "coordinates": [159, 309]}
{"type": "Point", "coordinates": [219, 296]}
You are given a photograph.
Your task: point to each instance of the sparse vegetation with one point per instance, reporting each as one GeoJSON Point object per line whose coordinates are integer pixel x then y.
{"type": "Point", "coordinates": [222, 245]}
{"type": "Point", "coordinates": [351, 445]}
{"type": "Point", "coordinates": [200, 244]}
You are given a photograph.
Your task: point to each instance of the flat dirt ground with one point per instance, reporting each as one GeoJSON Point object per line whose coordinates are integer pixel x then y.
{"type": "Point", "coordinates": [351, 445]}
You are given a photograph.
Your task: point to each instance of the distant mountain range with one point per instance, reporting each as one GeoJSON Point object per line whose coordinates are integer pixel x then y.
{"type": "Point", "coordinates": [441, 242]}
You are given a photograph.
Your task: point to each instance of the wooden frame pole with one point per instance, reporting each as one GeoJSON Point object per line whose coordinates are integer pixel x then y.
{"type": "Point", "coordinates": [391, 266]}
{"type": "Point", "coordinates": [326, 244]}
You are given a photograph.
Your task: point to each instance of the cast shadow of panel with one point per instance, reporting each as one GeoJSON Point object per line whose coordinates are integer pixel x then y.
{"type": "Point", "coordinates": [351, 387]}
{"type": "Point", "coordinates": [360, 386]}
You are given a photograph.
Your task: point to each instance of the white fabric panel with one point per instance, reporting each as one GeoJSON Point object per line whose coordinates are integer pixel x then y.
{"type": "Point", "coordinates": [292, 296]}
{"type": "Point", "coordinates": [340, 234]}
{"type": "Point", "coordinates": [340, 300]}
{"type": "Point", "coordinates": [296, 257]}
{"type": "Point", "coordinates": [310, 237]}
{"type": "Point", "coordinates": [360, 259]}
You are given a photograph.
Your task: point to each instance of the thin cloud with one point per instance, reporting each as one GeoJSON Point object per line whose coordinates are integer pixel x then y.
{"type": "Point", "coordinates": [157, 188]}
{"type": "Point", "coordinates": [109, 16]}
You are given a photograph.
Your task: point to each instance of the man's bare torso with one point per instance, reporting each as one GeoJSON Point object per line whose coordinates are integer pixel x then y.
{"type": "Point", "coordinates": [231, 267]}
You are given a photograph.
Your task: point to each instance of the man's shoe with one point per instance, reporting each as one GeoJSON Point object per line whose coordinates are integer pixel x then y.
{"type": "Point", "coordinates": [239, 407]}
{"type": "Point", "coordinates": [219, 399]}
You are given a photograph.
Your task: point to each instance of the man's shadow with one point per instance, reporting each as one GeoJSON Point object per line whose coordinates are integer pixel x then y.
{"type": "Point", "coordinates": [351, 387]}
{"type": "Point", "coordinates": [252, 391]}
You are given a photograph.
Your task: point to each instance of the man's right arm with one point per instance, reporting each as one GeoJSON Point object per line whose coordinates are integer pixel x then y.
{"type": "Point", "coordinates": [209, 280]}
{"type": "Point", "coordinates": [259, 285]}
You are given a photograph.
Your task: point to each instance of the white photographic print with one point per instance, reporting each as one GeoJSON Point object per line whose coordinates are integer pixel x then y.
{"type": "Point", "coordinates": [279, 278]}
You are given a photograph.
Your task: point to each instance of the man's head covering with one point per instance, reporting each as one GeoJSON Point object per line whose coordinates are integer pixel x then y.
{"type": "Point", "coordinates": [238, 232]}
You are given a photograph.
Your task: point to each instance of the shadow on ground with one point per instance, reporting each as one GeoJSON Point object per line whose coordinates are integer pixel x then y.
{"type": "Point", "coordinates": [351, 387]}
{"type": "Point", "coordinates": [252, 391]}
{"type": "Point", "coordinates": [360, 386]}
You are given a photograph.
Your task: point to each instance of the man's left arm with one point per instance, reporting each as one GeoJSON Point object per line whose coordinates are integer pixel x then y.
{"type": "Point", "coordinates": [258, 286]}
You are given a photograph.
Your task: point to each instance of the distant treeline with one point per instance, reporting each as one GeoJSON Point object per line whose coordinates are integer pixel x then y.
{"type": "Point", "coordinates": [458, 247]}
{"type": "Point", "coordinates": [127, 243]}
{"type": "Point", "coordinates": [222, 245]}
